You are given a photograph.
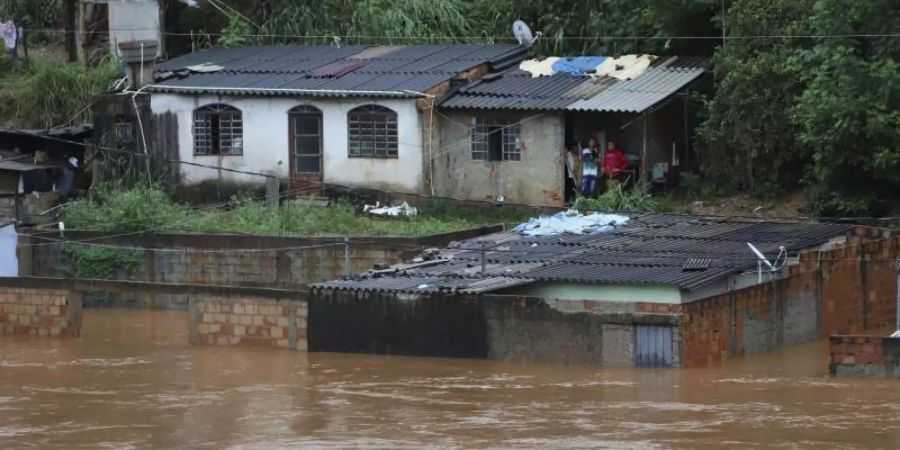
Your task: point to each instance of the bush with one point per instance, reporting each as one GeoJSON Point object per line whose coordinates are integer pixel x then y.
{"type": "Point", "coordinates": [617, 198]}
{"type": "Point", "coordinates": [46, 95]}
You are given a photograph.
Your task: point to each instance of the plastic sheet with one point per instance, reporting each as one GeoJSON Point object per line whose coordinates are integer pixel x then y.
{"type": "Point", "coordinates": [571, 222]}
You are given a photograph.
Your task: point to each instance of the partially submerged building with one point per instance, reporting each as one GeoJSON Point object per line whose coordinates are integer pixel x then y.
{"type": "Point", "coordinates": [629, 296]}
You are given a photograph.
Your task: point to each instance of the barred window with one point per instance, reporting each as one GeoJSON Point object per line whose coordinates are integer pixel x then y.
{"type": "Point", "coordinates": [372, 132]}
{"type": "Point", "coordinates": [218, 130]}
{"type": "Point", "coordinates": [124, 132]}
{"type": "Point", "coordinates": [496, 139]}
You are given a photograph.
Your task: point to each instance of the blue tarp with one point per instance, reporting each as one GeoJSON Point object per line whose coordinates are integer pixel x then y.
{"type": "Point", "coordinates": [578, 65]}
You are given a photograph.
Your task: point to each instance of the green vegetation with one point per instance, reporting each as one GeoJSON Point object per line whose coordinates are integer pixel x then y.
{"type": "Point", "coordinates": [152, 210]}
{"type": "Point", "coordinates": [806, 94]}
{"type": "Point", "coordinates": [618, 198]}
{"type": "Point", "coordinates": [450, 21]}
{"type": "Point", "coordinates": [44, 94]}
{"type": "Point", "coordinates": [822, 113]}
{"type": "Point", "coordinates": [94, 262]}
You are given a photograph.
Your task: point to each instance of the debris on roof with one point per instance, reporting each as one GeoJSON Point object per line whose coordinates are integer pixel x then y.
{"type": "Point", "coordinates": [571, 222]}
{"type": "Point", "coordinates": [204, 68]}
{"type": "Point", "coordinates": [635, 85]}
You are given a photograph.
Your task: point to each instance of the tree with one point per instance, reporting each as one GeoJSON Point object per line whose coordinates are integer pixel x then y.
{"type": "Point", "coordinates": [748, 141]}
{"type": "Point", "coordinates": [849, 114]}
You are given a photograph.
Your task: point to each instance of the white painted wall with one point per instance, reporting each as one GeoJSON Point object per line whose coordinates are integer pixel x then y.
{"type": "Point", "coordinates": [266, 141]}
{"type": "Point", "coordinates": [133, 20]}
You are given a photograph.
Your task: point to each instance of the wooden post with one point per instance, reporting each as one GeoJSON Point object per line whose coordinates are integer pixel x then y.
{"type": "Point", "coordinates": [644, 180]}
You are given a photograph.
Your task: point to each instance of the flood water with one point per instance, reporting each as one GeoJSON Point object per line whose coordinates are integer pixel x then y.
{"type": "Point", "coordinates": [132, 381]}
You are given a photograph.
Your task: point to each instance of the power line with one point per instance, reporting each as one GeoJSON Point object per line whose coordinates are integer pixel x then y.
{"type": "Point", "coordinates": [486, 38]}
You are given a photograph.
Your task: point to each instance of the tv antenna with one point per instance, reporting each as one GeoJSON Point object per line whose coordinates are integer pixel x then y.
{"type": "Point", "coordinates": [523, 34]}
{"type": "Point", "coordinates": [764, 261]}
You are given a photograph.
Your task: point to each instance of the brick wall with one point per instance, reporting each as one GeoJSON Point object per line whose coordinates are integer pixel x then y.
{"type": "Point", "coordinates": [846, 290]}
{"type": "Point", "coordinates": [39, 312]}
{"type": "Point", "coordinates": [864, 356]}
{"type": "Point", "coordinates": [248, 321]}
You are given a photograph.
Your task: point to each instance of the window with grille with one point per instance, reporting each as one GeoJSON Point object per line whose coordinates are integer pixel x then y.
{"type": "Point", "coordinates": [218, 130]}
{"type": "Point", "coordinates": [124, 132]}
{"type": "Point", "coordinates": [496, 139]}
{"type": "Point", "coordinates": [372, 132]}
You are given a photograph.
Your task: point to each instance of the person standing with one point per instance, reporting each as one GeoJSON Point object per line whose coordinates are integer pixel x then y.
{"type": "Point", "coordinates": [66, 177]}
{"type": "Point", "coordinates": [573, 171]}
{"type": "Point", "coordinates": [589, 171]}
{"type": "Point", "coordinates": [614, 162]}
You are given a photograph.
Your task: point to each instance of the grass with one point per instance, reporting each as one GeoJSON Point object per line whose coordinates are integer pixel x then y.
{"type": "Point", "coordinates": [47, 94]}
{"type": "Point", "coordinates": [147, 209]}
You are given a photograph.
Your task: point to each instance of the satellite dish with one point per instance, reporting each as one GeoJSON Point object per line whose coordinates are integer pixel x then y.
{"type": "Point", "coordinates": [523, 34]}
{"type": "Point", "coordinates": [761, 257]}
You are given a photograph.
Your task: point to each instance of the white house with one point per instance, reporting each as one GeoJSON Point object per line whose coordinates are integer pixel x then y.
{"type": "Point", "coordinates": [359, 116]}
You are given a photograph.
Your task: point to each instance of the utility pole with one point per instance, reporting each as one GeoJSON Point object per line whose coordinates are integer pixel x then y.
{"type": "Point", "coordinates": [897, 267]}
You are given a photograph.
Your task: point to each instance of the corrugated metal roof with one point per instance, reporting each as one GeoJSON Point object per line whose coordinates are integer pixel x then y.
{"type": "Point", "coordinates": [516, 89]}
{"type": "Point", "coordinates": [658, 249]}
{"type": "Point", "coordinates": [640, 93]}
{"type": "Point", "coordinates": [325, 70]}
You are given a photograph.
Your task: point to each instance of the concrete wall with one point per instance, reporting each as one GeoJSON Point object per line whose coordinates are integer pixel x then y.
{"type": "Point", "coordinates": [538, 179]}
{"type": "Point", "coordinates": [231, 259]}
{"type": "Point", "coordinates": [864, 357]}
{"type": "Point", "coordinates": [248, 321]}
{"type": "Point", "coordinates": [845, 290]}
{"type": "Point", "coordinates": [564, 331]}
{"type": "Point", "coordinates": [612, 293]}
{"type": "Point", "coordinates": [39, 311]}
{"type": "Point", "coordinates": [265, 141]}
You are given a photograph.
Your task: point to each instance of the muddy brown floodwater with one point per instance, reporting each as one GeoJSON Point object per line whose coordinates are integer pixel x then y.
{"type": "Point", "coordinates": [132, 381]}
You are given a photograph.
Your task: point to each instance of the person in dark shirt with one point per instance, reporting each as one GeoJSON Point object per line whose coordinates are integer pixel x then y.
{"type": "Point", "coordinates": [64, 182]}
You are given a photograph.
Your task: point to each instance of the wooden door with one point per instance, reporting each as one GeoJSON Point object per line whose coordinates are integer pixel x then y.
{"type": "Point", "coordinates": [305, 142]}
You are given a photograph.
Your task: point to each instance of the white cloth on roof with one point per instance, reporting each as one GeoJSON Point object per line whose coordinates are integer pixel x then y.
{"type": "Point", "coordinates": [571, 222]}
{"type": "Point", "coordinates": [539, 67]}
{"type": "Point", "coordinates": [624, 67]}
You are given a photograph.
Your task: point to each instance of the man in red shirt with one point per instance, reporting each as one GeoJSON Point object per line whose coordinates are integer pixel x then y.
{"type": "Point", "coordinates": [614, 162]}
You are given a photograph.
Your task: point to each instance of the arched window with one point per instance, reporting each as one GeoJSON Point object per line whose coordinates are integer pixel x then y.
{"type": "Point", "coordinates": [218, 130]}
{"type": "Point", "coordinates": [372, 132]}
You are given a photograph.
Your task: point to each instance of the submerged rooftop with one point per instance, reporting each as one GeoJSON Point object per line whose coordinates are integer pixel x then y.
{"type": "Point", "coordinates": [687, 252]}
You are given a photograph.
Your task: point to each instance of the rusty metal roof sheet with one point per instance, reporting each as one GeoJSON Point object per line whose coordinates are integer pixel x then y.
{"type": "Point", "coordinates": [659, 249]}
